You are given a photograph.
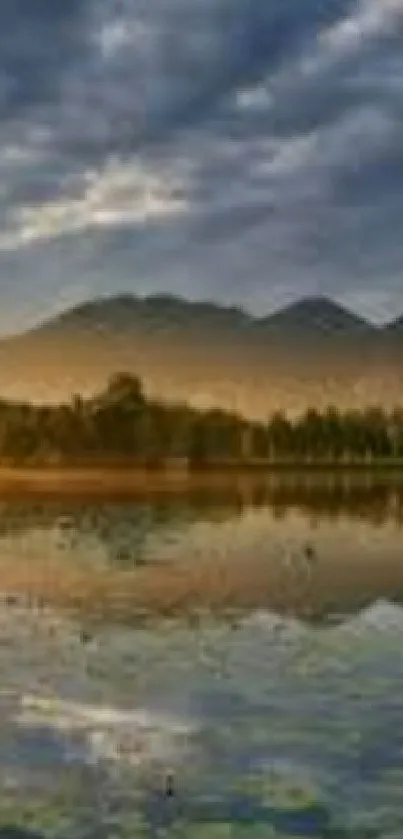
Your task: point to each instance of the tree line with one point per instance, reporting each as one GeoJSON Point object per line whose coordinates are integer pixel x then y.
{"type": "Point", "coordinates": [121, 425]}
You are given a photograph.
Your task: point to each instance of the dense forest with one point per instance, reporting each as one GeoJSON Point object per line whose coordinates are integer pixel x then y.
{"type": "Point", "coordinates": [122, 426]}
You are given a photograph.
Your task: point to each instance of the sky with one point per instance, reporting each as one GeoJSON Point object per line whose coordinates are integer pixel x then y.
{"type": "Point", "coordinates": [245, 151]}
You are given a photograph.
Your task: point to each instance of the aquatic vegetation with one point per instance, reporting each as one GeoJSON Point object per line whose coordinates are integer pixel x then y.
{"type": "Point", "coordinates": [283, 790]}
{"type": "Point", "coordinates": [48, 817]}
{"type": "Point", "coordinates": [209, 831]}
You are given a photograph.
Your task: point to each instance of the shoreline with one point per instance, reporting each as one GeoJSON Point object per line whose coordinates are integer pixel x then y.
{"type": "Point", "coordinates": [128, 480]}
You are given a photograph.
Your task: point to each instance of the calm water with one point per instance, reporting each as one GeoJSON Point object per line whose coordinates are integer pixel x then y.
{"type": "Point", "coordinates": [287, 723]}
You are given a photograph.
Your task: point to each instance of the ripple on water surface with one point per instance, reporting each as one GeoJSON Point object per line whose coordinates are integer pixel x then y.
{"type": "Point", "coordinates": [277, 727]}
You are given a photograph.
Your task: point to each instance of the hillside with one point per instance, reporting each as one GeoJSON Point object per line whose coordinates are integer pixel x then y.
{"type": "Point", "coordinates": [315, 316]}
{"type": "Point", "coordinates": [314, 352]}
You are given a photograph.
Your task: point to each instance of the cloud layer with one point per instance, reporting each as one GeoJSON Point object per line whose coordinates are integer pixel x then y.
{"type": "Point", "coordinates": [243, 150]}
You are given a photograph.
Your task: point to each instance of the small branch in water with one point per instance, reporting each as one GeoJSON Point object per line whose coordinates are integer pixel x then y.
{"type": "Point", "coordinates": [169, 784]}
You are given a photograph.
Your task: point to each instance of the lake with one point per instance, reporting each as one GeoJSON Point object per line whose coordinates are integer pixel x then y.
{"type": "Point", "coordinates": [261, 698]}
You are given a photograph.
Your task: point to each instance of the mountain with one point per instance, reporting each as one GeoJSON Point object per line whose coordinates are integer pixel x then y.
{"type": "Point", "coordinates": [395, 327]}
{"type": "Point", "coordinates": [315, 316]}
{"type": "Point", "coordinates": [155, 315]}
{"type": "Point", "coordinates": [311, 353]}
{"type": "Point", "coordinates": [158, 313]}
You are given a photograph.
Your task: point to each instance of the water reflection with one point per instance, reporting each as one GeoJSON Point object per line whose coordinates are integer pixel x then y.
{"type": "Point", "coordinates": [293, 733]}
{"type": "Point", "coordinates": [271, 725]}
{"type": "Point", "coordinates": [320, 547]}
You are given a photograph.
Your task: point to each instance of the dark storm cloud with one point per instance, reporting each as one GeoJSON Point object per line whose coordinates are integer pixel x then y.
{"type": "Point", "coordinates": [38, 41]}
{"type": "Point", "coordinates": [106, 76]}
{"type": "Point", "coordinates": [230, 148]}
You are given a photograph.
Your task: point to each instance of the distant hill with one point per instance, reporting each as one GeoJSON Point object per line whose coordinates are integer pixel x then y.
{"type": "Point", "coordinates": [315, 316]}
{"type": "Point", "coordinates": [311, 353]}
{"type": "Point", "coordinates": [395, 327]}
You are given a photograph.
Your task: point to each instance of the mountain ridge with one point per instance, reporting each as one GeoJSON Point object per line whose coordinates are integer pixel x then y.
{"type": "Point", "coordinates": [311, 353]}
{"type": "Point", "coordinates": [309, 306]}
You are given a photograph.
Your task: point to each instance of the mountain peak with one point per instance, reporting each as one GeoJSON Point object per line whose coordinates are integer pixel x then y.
{"type": "Point", "coordinates": [318, 313]}
{"type": "Point", "coordinates": [127, 311]}
{"type": "Point", "coordinates": [395, 326]}
{"type": "Point", "coordinates": [315, 315]}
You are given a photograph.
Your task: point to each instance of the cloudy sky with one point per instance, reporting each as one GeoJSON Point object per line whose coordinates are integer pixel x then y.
{"type": "Point", "coordinates": [249, 151]}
